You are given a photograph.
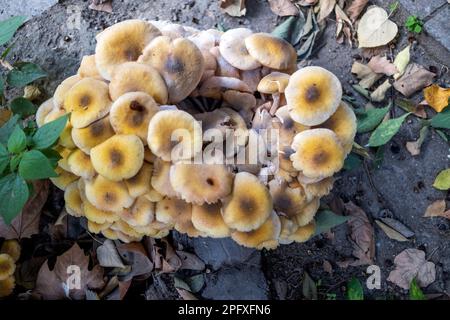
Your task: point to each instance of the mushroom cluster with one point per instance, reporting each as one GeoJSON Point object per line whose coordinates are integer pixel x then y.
{"type": "Point", "coordinates": [122, 169]}
{"type": "Point", "coordinates": [9, 254]}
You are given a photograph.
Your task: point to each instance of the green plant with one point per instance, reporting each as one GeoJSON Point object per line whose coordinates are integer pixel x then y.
{"type": "Point", "coordinates": [355, 290]}
{"type": "Point", "coordinates": [415, 293]}
{"type": "Point", "coordinates": [414, 24]}
{"type": "Point", "coordinates": [26, 152]}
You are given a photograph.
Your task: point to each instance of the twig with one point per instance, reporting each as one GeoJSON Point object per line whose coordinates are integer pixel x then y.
{"type": "Point", "coordinates": [6, 64]}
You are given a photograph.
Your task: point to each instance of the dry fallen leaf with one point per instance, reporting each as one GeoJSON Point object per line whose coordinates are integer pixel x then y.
{"type": "Point", "coordinates": [410, 264]}
{"type": "Point", "coordinates": [134, 255]}
{"type": "Point", "coordinates": [325, 9]}
{"type": "Point", "coordinates": [365, 74]}
{"type": "Point", "coordinates": [355, 9]}
{"type": "Point", "coordinates": [108, 256]}
{"type": "Point", "coordinates": [401, 61]}
{"type": "Point", "coordinates": [379, 93]}
{"type": "Point", "coordinates": [437, 209]}
{"type": "Point", "coordinates": [437, 97]}
{"type": "Point", "coordinates": [101, 5]}
{"type": "Point", "coordinates": [415, 78]}
{"type": "Point", "coordinates": [344, 26]}
{"type": "Point", "coordinates": [53, 284]}
{"type": "Point", "coordinates": [327, 267]}
{"type": "Point", "coordinates": [375, 29]}
{"type": "Point", "coordinates": [283, 8]}
{"type": "Point", "coordinates": [190, 261]}
{"type": "Point", "coordinates": [307, 2]}
{"type": "Point", "coordinates": [234, 8]}
{"type": "Point", "coordinates": [414, 146]}
{"type": "Point", "coordinates": [391, 233]}
{"type": "Point", "coordinates": [186, 295]}
{"type": "Point", "coordinates": [381, 64]}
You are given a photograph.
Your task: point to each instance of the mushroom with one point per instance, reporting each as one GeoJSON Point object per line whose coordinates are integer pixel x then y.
{"type": "Point", "coordinates": [88, 68]}
{"type": "Point", "coordinates": [233, 49]}
{"type": "Point", "coordinates": [96, 228]}
{"type": "Point", "coordinates": [306, 215]}
{"type": "Point", "coordinates": [207, 218]}
{"type": "Point", "coordinates": [174, 135]}
{"type": "Point", "coordinates": [125, 232]}
{"type": "Point", "coordinates": [266, 236]}
{"type": "Point", "coordinates": [64, 153]}
{"type": "Point", "coordinates": [318, 189]}
{"type": "Point", "coordinates": [239, 100]}
{"type": "Point", "coordinates": [121, 43]}
{"type": "Point", "coordinates": [63, 179]}
{"type": "Point", "coordinates": [73, 201]}
{"type": "Point", "coordinates": [288, 227]}
{"type": "Point", "coordinates": [7, 266]}
{"type": "Point", "coordinates": [139, 184]}
{"type": "Point", "coordinates": [160, 180]}
{"type": "Point", "coordinates": [318, 153]}
{"type": "Point", "coordinates": [87, 101]}
{"type": "Point", "coordinates": [44, 109]}
{"type": "Point", "coordinates": [213, 86]}
{"type": "Point", "coordinates": [119, 157]}
{"type": "Point", "coordinates": [223, 69]}
{"type": "Point", "coordinates": [200, 183]}
{"type": "Point", "coordinates": [61, 91]}
{"type": "Point", "coordinates": [141, 213]}
{"type": "Point", "coordinates": [80, 164]}
{"type": "Point", "coordinates": [94, 134]}
{"type": "Point", "coordinates": [110, 234]}
{"type": "Point", "coordinates": [287, 200]}
{"type": "Point", "coordinates": [251, 78]}
{"type": "Point", "coordinates": [271, 51]}
{"type": "Point", "coordinates": [92, 213]}
{"type": "Point", "coordinates": [153, 195]}
{"type": "Point", "coordinates": [134, 76]}
{"type": "Point", "coordinates": [304, 233]}
{"type": "Point", "coordinates": [180, 63]}
{"type": "Point", "coordinates": [183, 223]}
{"type": "Point", "coordinates": [168, 209]}
{"type": "Point", "coordinates": [274, 84]}
{"type": "Point", "coordinates": [313, 95]}
{"type": "Point", "coordinates": [131, 114]}
{"type": "Point", "coordinates": [249, 204]}
{"type": "Point", "coordinates": [107, 195]}
{"type": "Point", "coordinates": [12, 248]}
{"type": "Point", "coordinates": [7, 286]}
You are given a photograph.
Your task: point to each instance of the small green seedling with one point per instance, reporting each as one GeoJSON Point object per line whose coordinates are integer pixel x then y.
{"type": "Point", "coordinates": [414, 24]}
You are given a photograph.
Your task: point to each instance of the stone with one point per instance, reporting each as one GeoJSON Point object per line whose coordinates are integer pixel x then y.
{"type": "Point", "coordinates": [421, 8]}
{"type": "Point", "coordinates": [439, 25]}
{"type": "Point", "coordinates": [18, 8]}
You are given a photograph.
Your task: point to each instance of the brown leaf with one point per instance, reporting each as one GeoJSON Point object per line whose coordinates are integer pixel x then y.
{"type": "Point", "coordinates": [410, 264]}
{"type": "Point", "coordinates": [101, 5]}
{"type": "Point", "coordinates": [325, 9]}
{"type": "Point", "coordinates": [52, 284]}
{"type": "Point", "coordinates": [305, 3]}
{"type": "Point", "coordinates": [381, 64]}
{"type": "Point", "coordinates": [415, 78]}
{"type": "Point", "coordinates": [108, 256]}
{"type": "Point", "coordinates": [370, 52]}
{"type": "Point", "coordinates": [234, 8]}
{"type": "Point", "coordinates": [409, 106]}
{"type": "Point", "coordinates": [283, 8]}
{"type": "Point", "coordinates": [26, 224]}
{"type": "Point", "coordinates": [355, 9]}
{"type": "Point", "coordinates": [437, 209]}
{"type": "Point", "coordinates": [365, 74]}
{"type": "Point", "coordinates": [379, 94]}
{"type": "Point", "coordinates": [391, 233]}
{"type": "Point", "coordinates": [327, 267]}
{"type": "Point", "coordinates": [190, 261]}
{"type": "Point", "coordinates": [134, 255]}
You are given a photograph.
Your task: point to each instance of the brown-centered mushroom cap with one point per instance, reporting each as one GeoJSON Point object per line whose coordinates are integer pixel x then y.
{"type": "Point", "coordinates": [232, 48]}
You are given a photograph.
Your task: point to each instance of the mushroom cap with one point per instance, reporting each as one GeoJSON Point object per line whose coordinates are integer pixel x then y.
{"type": "Point", "coordinates": [168, 209]}
{"type": "Point", "coordinates": [107, 195]}
{"type": "Point", "coordinates": [179, 61]}
{"type": "Point", "coordinates": [139, 184]}
{"type": "Point", "coordinates": [272, 52]}
{"type": "Point", "coordinates": [306, 215]}
{"type": "Point", "coordinates": [61, 91]}
{"type": "Point", "coordinates": [131, 114]}
{"type": "Point", "coordinates": [239, 100]}
{"type": "Point", "coordinates": [73, 201]}
{"type": "Point", "coordinates": [94, 134]}
{"type": "Point", "coordinates": [87, 101]}
{"type": "Point", "coordinates": [200, 183]}
{"type": "Point", "coordinates": [141, 213]}
{"type": "Point", "coordinates": [153, 195]}
{"type": "Point", "coordinates": [223, 68]}
{"type": "Point", "coordinates": [80, 164]}
{"type": "Point", "coordinates": [249, 204]}
{"type": "Point", "coordinates": [287, 127]}
{"type": "Point", "coordinates": [122, 42]}
{"type": "Point", "coordinates": [44, 109]}
{"type": "Point", "coordinates": [287, 200]}
{"type": "Point", "coordinates": [12, 248]}
{"type": "Point", "coordinates": [207, 218]}
{"type": "Point", "coordinates": [64, 153]}
{"type": "Point", "coordinates": [318, 189]}
{"type": "Point", "coordinates": [7, 266]}
{"type": "Point", "coordinates": [96, 228]}
{"type": "Point", "coordinates": [318, 153]}
{"type": "Point", "coordinates": [99, 216]}
{"type": "Point", "coordinates": [183, 224]}
{"type": "Point", "coordinates": [274, 82]}
{"type": "Point", "coordinates": [288, 227]}
{"type": "Point", "coordinates": [54, 114]}
{"type": "Point", "coordinates": [125, 231]}
{"type": "Point", "coordinates": [343, 123]}
{"type": "Point", "coordinates": [313, 95]}
{"type": "Point", "coordinates": [65, 138]}
{"type": "Point", "coordinates": [63, 179]}
{"type": "Point", "coordinates": [304, 233]}
{"type": "Point", "coordinates": [174, 135]}
{"type": "Point", "coordinates": [160, 180]}
{"type": "Point", "coordinates": [232, 47]}
{"type": "Point", "coordinates": [266, 236]}
{"type": "Point", "coordinates": [88, 68]}
{"type": "Point", "coordinates": [7, 286]}
{"type": "Point", "coordinates": [133, 77]}
{"type": "Point", "coordinates": [110, 234]}
{"type": "Point", "coordinates": [120, 157]}
{"type": "Point", "coordinates": [148, 155]}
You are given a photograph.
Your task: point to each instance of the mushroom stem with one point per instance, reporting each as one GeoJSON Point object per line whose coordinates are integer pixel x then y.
{"type": "Point", "coordinates": [275, 104]}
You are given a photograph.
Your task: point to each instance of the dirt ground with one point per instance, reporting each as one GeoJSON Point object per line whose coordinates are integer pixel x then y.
{"type": "Point", "coordinates": [401, 188]}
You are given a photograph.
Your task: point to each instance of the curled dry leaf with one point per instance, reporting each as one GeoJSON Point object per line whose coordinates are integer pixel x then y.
{"type": "Point", "coordinates": [437, 97]}
{"type": "Point", "coordinates": [365, 74]}
{"type": "Point", "coordinates": [379, 94]}
{"type": "Point", "coordinates": [413, 147]}
{"type": "Point", "coordinates": [101, 5]}
{"type": "Point", "coordinates": [437, 209]}
{"type": "Point", "coordinates": [234, 8]}
{"type": "Point", "coordinates": [325, 9]}
{"type": "Point", "coordinates": [415, 78]}
{"type": "Point", "coordinates": [135, 256]}
{"type": "Point", "coordinates": [401, 61]}
{"type": "Point", "coordinates": [344, 26]}
{"type": "Point", "coordinates": [307, 2]}
{"type": "Point", "coordinates": [398, 226]}
{"type": "Point", "coordinates": [409, 106]}
{"type": "Point", "coordinates": [283, 8]}
{"type": "Point", "coordinates": [381, 64]}
{"type": "Point", "coordinates": [355, 9]}
{"type": "Point", "coordinates": [391, 233]}
{"type": "Point", "coordinates": [375, 29]}
{"type": "Point", "coordinates": [410, 264]}
{"type": "Point", "coordinates": [108, 256]}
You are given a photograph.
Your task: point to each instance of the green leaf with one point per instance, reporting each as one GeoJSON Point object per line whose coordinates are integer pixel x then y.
{"type": "Point", "coordinates": [379, 157]}
{"type": "Point", "coordinates": [309, 287]}
{"type": "Point", "coordinates": [371, 119]}
{"type": "Point", "coordinates": [17, 141]}
{"type": "Point", "coordinates": [2, 87]}
{"type": "Point", "coordinates": [327, 219]}
{"type": "Point", "coordinates": [7, 129]}
{"type": "Point", "coordinates": [8, 27]}
{"type": "Point", "coordinates": [442, 181]}
{"type": "Point", "coordinates": [417, 28]}
{"type": "Point", "coordinates": [352, 161]}
{"type": "Point", "coordinates": [34, 165]}
{"type": "Point", "coordinates": [52, 155]}
{"type": "Point", "coordinates": [443, 135]}
{"type": "Point", "coordinates": [364, 92]}
{"type": "Point", "coordinates": [24, 73]}
{"type": "Point", "coordinates": [47, 135]}
{"type": "Point", "coordinates": [13, 196]}
{"type": "Point", "coordinates": [23, 107]}
{"type": "Point", "coordinates": [290, 29]}
{"type": "Point", "coordinates": [4, 158]}
{"type": "Point", "coordinates": [442, 119]}
{"type": "Point", "coordinates": [355, 290]}
{"type": "Point", "coordinates": [415, 293]}
{"type": "Point", "coordinates": [14, 162]}
{"type": "Point", "coordinates": [385, 131]}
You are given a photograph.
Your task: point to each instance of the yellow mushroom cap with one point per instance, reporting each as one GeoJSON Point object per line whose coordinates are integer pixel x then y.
{"type": "Point", "coordinates": [183, 224]}
{"type": "Point", "coordinates": [7, 286]}
{"type": "Point", "coordinates": [99, 216]}
{"type": "Point", "coordinates": [160, 180]}
{"type": "Point", "coordinates": [318, 189]}
{"type": "Point", "coordinates": [131, 114]}
{"type": "Point", "coordinates": [208, 219]}
{"type": "Point", "coordinates": [107, 195]}
{"type": "Point", "coordinates": [287, 127]}
{"type": "Point", "coordinates": [7, 266]}
{"type": "Point", "coordinates": [12, 248]}
{"type": "Point", "coordinates": [120, 157]}
{"type": "Point", "coordinates": [94, 134]}
{"type": "Point", "coordinates": [153, 195]}
{"type": "Point", "coordinates": [88, 68]}
{"type": "Point", "coordinates": [122, 42]}
{"type": "Point", "coordinates": [343, 123]}
{"type": "Point", "coordinates": [274, 82]}
{"type": "Point", "coordinates": [73, 201]}
{"type": "Point", "coordinates": [65, 138]}
{"type": "Point", "coordinates": [318, 153]}
{"type": "Point", "coordinates": [140, 183]}
{"type": "Point", "coordinates": [266, 236]}
{"type": "Point", "coordinates": [133, 77]}
{"type": "Point", "coordinates": [64, 154]}
{"type": "Point", "coordinates": [54, 114]}
{"type": "Point", "coordinates": [80, 164]}
{"type": "Point", "coordinates": [304, 233]}
{"type": "Point", "coordinates": [130, 233]}
{"type": "Point", "coordinates": [200, 183]}
{"type": "Point", "coordinates": [87, 101]}
{"type": "Point", "coordinates": [179, 61]}
{"type": "Point", "coordinates": [61, 91]}
{"type": "Point", "coordinates": [249, 205]}
{"type": "Point", "coordinates": [272, 52]}
{"type": "Point", "coordinates": [289, 201]}
{"type": "Point", "coordinates": [110, 234]}
{"type": "Point", "coordinates": [97, 227]}
{"type": "Point", "coordinates": [141, 213]}
{"type": "Point", "coordinates": [63, 179]}
{"type": "Point", "coordinates": [174, 133]}
{"type": "Point", "coordinates": [313, 95]}
{"type": "Point", "coordinates": [44, 109]}
{"type": "Point", "coordinates": [168, 209]}
{"type": "Point", "coordinates": [232, 48]}
{"type": "Point", "coordinates": [306, 215]}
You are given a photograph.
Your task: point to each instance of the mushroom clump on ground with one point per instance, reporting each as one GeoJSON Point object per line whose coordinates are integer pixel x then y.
{"type": "Point", "coordinates": [210, 133]}
{"type": "Point", "coordinates": [9, 254]}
